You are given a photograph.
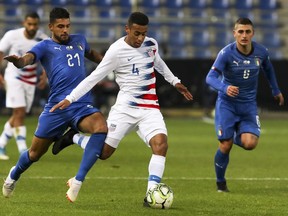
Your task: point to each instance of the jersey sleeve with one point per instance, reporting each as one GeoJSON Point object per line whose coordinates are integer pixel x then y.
{"type": "Point", "coordinates": [269, 73]}
{"type": "Point", "coordinates": [213, 78]}
{"type": "Point", "coordinates": [107, 65]}
{"type": "Point", "coordinates": [38, 50]}
{"type": "Point", "coordinates": [5, 42]}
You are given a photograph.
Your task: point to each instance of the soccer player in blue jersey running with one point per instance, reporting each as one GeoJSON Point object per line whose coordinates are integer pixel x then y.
{"type": "Point", "coordinates": [62, 56]}
{"type": "Point", "coordinates": [236, 117]}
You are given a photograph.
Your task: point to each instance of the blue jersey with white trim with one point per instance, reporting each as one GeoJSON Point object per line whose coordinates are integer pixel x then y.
{"type": "Point", "coordinates": [64, 65]}
{"type": "Point", "coordinates": [242, 71]}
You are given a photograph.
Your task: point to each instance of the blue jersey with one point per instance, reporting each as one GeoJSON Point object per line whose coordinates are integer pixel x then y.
{"type": "Point", "coordinates": [64, 65]}
{"type": "Point", "coordinates": [242, 71]}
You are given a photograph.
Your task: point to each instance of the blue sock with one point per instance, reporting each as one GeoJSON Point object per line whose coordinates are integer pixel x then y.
{"type": "Point", "coordinates": [92, 152]}
{"type": "Point", "coordinates": [23, 164]}
{"type": "Point", "coordinates": [237, 139]}
{"type": "Point", "coordinates": [221, 162]}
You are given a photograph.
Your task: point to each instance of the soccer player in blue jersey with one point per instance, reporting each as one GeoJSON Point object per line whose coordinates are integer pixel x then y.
{"type": "Point", "coordinates": [236, 117]}
{"type": "Point", "coordinates": [62, 56]}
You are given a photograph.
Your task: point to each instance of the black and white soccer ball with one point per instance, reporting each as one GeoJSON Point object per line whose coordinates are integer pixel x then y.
{"type": "Point", "coordinates": [160, 196]}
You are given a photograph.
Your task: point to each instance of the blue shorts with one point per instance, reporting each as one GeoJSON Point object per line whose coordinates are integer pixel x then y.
{"type": "Point", "coordinates": [53, 125]}
{"type": "Point", "coordinates": [236, 117]}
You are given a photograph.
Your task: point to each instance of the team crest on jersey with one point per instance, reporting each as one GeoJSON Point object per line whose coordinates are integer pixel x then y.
{"type": "Point", "coordinates": [257, 61]}
{"type": "Point", "coordinates": [69, 47]}
{"type": "Point", "coordinates": [80, 47]}
{"type": "Point", "coordinates": [112, 127]}
{"type": "Point", "coordinates": [151, 52]}
{"type": "Point", "coordinates": [219, 130]}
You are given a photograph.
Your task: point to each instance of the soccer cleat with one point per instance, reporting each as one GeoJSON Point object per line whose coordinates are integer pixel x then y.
{"type": "Point", "coordinates": [9, 185]}
{"type": "Point", "coordinates": [74, 188]}
{"type": "Point", "coordinates": [145, 203]}
{"type": "Point", "coordinates": [64, 141]}
{"type": "Point", "coordinates": [3, 155]}
{"type": "Point", "coordinates": [222, 187]}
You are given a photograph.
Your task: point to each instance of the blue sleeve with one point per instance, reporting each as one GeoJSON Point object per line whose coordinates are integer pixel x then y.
{"type": "Point", "coordinates": [214, 77]}
{"type": "Point", "coordinates": [37, 51]}
{"type": "Point", "coordinates": [269, 73]}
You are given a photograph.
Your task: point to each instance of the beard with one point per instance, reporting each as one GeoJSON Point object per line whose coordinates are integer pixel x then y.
{"type": "Point", "coordinates": [63, 39]}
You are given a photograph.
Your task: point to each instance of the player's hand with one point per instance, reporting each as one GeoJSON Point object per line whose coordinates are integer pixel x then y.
{"type": "Point", "coordinates": [232, 91]}
{"type": "Point", "coordinates": [14, 59]}
{"type": "Point", "coordinates": [61, 105]}
{"type": "Point", "coordinates": [184, 91]}
{"type": "Point", "coordinates": [280, 99]}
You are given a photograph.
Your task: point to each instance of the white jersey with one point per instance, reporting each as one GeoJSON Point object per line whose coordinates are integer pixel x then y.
{"type": "Point", "coordinates": [134, 70]}
{"type": "Point", "coordinates": [14, 42]}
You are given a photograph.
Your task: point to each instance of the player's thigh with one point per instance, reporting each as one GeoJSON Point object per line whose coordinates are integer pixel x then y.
{"type": "Point", "coordinates": [52, 124]}
{"type": "Point", "coordinates": [152, 124]}
{"type": "Point", "coordinates": [29, 94]}
{"type": "Point", "coordinates": [249, 119]}
{"type": "Point", "coordinates": [16, 94]}
{"type": "Point", "coordinates": [225, 120]}
{"type": "Point", "coordinates": [119, 123]}
{"type": "Point", "coordinates": [93, 123]}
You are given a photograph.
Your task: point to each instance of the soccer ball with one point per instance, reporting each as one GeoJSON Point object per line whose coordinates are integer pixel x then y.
{"type": "Point", "coordinates": [160, 196]}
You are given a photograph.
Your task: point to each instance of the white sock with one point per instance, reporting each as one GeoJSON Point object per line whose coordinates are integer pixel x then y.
{"type": "Point", "coordinates": [156, 169]}
{"type": "Point", "coordinates": [6, 135]}
{"type": "Point", "coordinates": [20, 136]}
{"type": "Point", "coordinates": [81, 140]}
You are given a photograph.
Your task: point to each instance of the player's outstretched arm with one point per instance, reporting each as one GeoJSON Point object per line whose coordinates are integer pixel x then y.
{"type": "Point", "coordinates": [184, 91]}
{"type": "Point", "coordinates": [280, 99]}
{"type": "Point", "coordinates": [61, 105]}
{"type": "Point", "coordinates": [22, 61]}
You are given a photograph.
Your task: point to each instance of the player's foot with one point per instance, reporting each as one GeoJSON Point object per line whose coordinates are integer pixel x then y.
{"type": "Point", "coordinates": [3, 155]}
{"type": "Point", "coordinates": [64, 141]}
{"type": "Point", "coordinates": [74, 188]}
{"type": "Point", "coordinates": [145, 203]}
{"type": "Point", "coordinates": [222, 187]}
{"type": "Point", "coordinates": [9, 185]}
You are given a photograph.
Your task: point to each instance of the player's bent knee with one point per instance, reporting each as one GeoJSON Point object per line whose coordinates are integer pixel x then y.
{"type": "Point", "coordinates": [250, 146]}
{"type": "Point", "coordinates": [107, 152]}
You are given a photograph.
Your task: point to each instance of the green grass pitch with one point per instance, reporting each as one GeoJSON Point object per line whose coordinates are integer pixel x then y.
{"type": "Point", "coordinates": [258, 179]}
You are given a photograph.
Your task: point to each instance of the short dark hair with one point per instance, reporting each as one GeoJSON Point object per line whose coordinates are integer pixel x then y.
{"type": "Point", "coordinates": [138, 18]}
{"type": "Point", "coordinates": [32, 14]}
{"type": "Point", "coordinates": [244, 21]}
{"type": "Point", "coordinates": [58, 13]}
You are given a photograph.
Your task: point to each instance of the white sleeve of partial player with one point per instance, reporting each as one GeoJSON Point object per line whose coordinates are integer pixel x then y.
{"type": "Point", "coordinates": [163, 69]}
{"type": "Point", "coordinates": [107, 65]}
{"type": "Point", "coordinates": [5, 42]}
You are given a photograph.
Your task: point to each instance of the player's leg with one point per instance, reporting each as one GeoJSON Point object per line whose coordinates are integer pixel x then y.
{"type": "Point", "coordinates": [96, 125]}
{"type": "Point", "coordinates": [6, 135]}
{"type": "Point", "coordinates": [48, 126]}
{"type": "Point", "coordinates": [19, 114]}
{"type": "Point", "coordinates": [225, 122]}
{"type": "Point", "coordinates": [249, 126]}
{"type": "Point", "coordinates": [37, 149]}
{"type": "Point", "coordinates": [19, 128]}
{"type": "Point", "coordinates": [152, 130]}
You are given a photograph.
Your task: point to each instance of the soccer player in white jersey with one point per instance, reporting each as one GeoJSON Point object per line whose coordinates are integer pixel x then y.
{"type": "Point", "coordinates": [20, 83]}
{"type": "Point", "coordinates": [133, 58]}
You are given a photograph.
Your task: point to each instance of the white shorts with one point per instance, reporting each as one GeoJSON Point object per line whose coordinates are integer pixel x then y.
{"type": "Point", "coordinates": [19, 94]}
{"type": "Point", "coordinates": [146, 122]}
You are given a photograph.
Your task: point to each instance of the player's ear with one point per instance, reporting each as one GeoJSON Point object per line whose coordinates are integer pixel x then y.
{"type": "Point", "coordinates": [127, 29]}
{"type": "Point", "coordinates": [50, 26]}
